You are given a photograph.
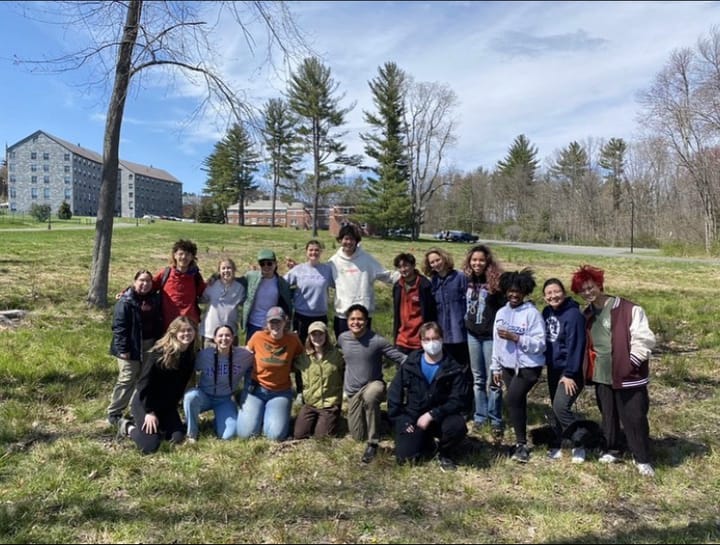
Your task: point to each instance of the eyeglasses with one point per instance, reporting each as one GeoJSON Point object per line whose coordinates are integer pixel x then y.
{"type": "Point", "coordinates": [267, 263]}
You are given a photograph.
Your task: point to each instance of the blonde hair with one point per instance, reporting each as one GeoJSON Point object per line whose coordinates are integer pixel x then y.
{"type": "Point", "coordinates": [169, 347]}
{"type": "Point", "coordinates": [229, 261]}
{"type": "Point", "coordinates": [448, 261]}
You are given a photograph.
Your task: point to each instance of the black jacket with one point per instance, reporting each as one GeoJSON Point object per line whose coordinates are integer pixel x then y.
{"type": "Point", "coordinates": [127, 325]}
{"type": "Point", "coordinates": [410, 395]}
{"type": "Point", "coordinates": [162, 389]}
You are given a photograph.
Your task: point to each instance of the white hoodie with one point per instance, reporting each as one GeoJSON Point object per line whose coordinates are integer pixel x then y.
{"type": "Point", "coordinates": [529, 351]}
{"type": "Point", "coordinates": [354, 277]}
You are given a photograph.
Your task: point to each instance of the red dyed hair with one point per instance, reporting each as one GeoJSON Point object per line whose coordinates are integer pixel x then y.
{"type": "Point", "coordinates": [585, 273]}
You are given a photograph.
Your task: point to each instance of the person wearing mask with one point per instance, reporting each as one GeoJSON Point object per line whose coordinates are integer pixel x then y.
{"type": "Point", "coordinates": [425, 402]}
{"type": "Point", "coordinates": [620, 343]}
{"type": "Point", "coordinates": [564, 355]}
{"type": "Point", "coordinates": [518, 352]}
{"type": "Point", "coordinates": [364, 385]}
{"type": "Point", "coordinates": [413, 304]}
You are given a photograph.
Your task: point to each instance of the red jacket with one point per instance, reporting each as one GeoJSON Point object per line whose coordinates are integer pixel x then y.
{"type": "Point", "coordinates": [179, 294]}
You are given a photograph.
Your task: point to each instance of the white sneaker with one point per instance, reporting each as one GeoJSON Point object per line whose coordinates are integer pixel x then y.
{"type": "Point", "coordinates": [578, 455]}
{"type": "Point", "coordinates": [554, 454]}
{"type": "Point", "coordinates": [646, 470]}
{"type": "Point", "coordinates": [608, 458]}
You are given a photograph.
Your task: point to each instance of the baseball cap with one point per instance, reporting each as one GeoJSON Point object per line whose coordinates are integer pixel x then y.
{"type": "Point", "coordinates": [266, 255]}
{"type": "Point", "coordinates": [317, 326]}
{"type": "Point", "coordinates": [275, 313]}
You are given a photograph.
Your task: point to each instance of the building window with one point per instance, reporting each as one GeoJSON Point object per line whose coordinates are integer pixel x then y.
{"type": "Point", "coordinates": [12, 155]}
{"type": "Point", "coordinates": [67, 180]}
{"type": "Point", "coordinates": [33, 179]}
{"type": "Point", "coordinates": [46, 156]}
{"type": "Point", "coordinates": [11, 167]}
{"type": "Point", "coordinates": [68, 194]}
{"type": "Point", "coordinates": [67, 169]}
{"type": "Point", "coordinates": [33, 192]}
{"type": "Point", "coordinates": [46, 168]}
{"type": "Point", "coordinates": [130, 195]}
{"type": "Point", "coordinates": [33, 155]}
{"type": "Point", "coordinates": [46, 179]}
{"type": "Point", "coordinates": [67, 156]}
{"type": "Point", "coordinates": [12, 179]}
{"type": "Point", "coordinates": [33, 168]}
{"type": "Point", "coordinates": [12, 193]}
{"type": "Point", "coordinates": [46, 193]}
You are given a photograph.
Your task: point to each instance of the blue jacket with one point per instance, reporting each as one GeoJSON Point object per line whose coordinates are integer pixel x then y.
{"type": "Point", "coordinates": [449, 293]}
{"type": "Point", "coordinates": [565, 338]}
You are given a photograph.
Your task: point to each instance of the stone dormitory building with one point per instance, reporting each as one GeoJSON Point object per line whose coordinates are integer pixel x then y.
{"type": "Point", "coordinates": [44, 169]}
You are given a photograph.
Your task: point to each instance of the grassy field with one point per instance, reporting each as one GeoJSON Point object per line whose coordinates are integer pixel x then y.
{"type": "Point", "coordinates": [65, 478]}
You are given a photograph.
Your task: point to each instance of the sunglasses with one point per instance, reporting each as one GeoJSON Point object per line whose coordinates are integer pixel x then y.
{"type": "Point", "coordinates": [267, 263]}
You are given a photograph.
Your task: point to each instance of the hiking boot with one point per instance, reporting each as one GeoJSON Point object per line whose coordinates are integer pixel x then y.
{"type": "Point", "coordinates": [446, 464]}
{"type": "Point", "coordinates": [124, 425]}
{"type": "Point", "coordinates": [609, 458]}
{"type": "Point", "coordinates": [369, 454]}
{"type": "Point", "coordinates": [646, 470]}
{"type": "Point", "coordinates": [555, 454]}
{"type": "Point", "coordinates": [578, 455]}
{"type": "Point", "coordinates": [521, 453]}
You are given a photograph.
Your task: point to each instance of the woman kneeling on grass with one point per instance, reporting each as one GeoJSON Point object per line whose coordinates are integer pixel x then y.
{"type": "Point", "coordinates": [154, 409]}
{"type": "Point", "coordinates": [266, 408]}
{"type": "Point", "coordinates": [220, 370]}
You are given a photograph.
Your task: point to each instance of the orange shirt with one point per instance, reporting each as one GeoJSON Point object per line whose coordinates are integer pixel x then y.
{"type": "Point", "coordinates": [273, 359]}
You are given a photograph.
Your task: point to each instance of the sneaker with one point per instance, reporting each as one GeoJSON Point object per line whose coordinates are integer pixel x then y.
{"type": "Point", "coordinates": [554, 454]}
{"type": "Point", "coordinates": [113, 419]}
{"type": "Point", "coordinates": [446, 464]}
{"type": "Point", "coordinates": [521, 454]}
{"type": "Point", "coordinates": [646, 470]}
{"type": "Point", "coordinates": [124, 425]}
{"type": "Point", "coordinates": [609, 458]}
{"type": "Point", "coordinates": [190, 439]}
{"type": "Point", "coordinates": [578, 455]}
{"type": "Point", "coordinates": [369, 454]}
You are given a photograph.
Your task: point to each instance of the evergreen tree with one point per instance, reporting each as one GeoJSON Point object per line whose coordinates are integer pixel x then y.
{"type": "Point", "coordinates": [388, 204]}
{"type": "Point", "coordinates": [517, 173]}
{"type": "Point", "coordinates": [612, 159]}
{"type": "Point", "coordinates": [312, 97]}
{"type": "Point", "coordinates": [571, 165]}
{"type": "Point", "coordinates": [281, 142]}
{"type": "Point", "coordinates": [230, 169]}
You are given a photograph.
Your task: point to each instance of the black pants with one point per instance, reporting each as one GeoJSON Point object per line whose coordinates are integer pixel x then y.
{"type": "Point", "coordinates": [562, 406]}
{"type": "Point", "coordinates": [629, 407]}
{"type": "Point", "coordinates": [170, 427]}
{"type": "Point", "coordinates": [301, 324]}
{"type": "Point", "coordinates": [518, 387]}
{"type": "Point", "coordinates": [410, 446]}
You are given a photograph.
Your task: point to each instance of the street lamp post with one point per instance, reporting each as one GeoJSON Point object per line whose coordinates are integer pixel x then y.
{"type": "Point", "coordinates": [50, 218]}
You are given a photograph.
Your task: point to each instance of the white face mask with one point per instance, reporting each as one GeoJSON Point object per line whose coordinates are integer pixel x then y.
{"type": "Point", "coordinates": [432, 348]}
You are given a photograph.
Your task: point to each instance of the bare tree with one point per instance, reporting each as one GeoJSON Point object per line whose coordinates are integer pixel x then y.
{"type": "Point", "coordinates": [682, 106]}
{"type": "Point", "coordinates": [170, 36]}
{"type": "Point", "coordinates": [430, 130]}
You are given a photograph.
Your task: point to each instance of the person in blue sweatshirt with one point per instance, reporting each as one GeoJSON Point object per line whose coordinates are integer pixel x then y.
{"type": "Point", "coordinates": [564, 353]}
{"type": "Point", "coordinates": [518, 351]}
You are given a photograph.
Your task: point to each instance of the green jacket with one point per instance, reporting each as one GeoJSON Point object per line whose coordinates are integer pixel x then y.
{"type": "Point", "coordinates": [322, 378]}
{"type": "Point", "coordinates": [252, 281]}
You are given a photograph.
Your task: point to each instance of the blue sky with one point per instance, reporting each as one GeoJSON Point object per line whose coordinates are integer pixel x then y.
{"type": "Point", "coordinates": [554, 71]}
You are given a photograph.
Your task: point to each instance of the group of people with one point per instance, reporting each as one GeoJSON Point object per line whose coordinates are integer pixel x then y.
{"type": "Point", "coordinates": [465, 343]}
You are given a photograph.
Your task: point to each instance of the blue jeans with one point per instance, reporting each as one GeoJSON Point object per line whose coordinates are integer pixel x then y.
{"type": "Point", "coordinates": [488, 397]}
{"type": "Point", "coordinates": [196, 401]}
{"type": "Point", "coordinates": [266, 411]}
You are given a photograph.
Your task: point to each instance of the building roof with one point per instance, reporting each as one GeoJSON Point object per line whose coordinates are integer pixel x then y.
{"type": "Point", "coordinates": [135, 168]}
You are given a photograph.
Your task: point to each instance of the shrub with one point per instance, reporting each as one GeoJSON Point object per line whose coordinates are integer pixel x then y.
{"type": "Point", "coordinates": [64, 212]}
{"type": "Point", "coordinates": [40, 212]}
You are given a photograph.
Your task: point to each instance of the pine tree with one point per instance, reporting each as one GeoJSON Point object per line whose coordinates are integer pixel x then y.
{"type": "Point", "coordinates": [388, 204]}
{"type": "Point", "coordinates": [281, 142]}
{"type": "Point", "coordinates": [312, 97]}
{"type": "Point", "coordinates": [517, 172]}
{"type": "Point", "coordinates": [612, 159]}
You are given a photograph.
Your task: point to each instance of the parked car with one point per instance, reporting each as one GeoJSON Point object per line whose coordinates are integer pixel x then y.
{"type": "Point", "coordinates": [456, 236]}
{"type": "Point", "coordinates": [399, 233]}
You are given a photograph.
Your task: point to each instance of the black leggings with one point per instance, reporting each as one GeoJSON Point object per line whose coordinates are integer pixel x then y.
{"type": "Point", "coordinates": [170, 427]}
{"type": "Point", "coordinates": [518, 387]}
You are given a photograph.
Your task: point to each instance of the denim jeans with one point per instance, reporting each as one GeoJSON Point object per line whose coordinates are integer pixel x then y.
{"type": "Point", "coordinates": [265, 411]}
{"type": "Point", "coordinates": [488, 397]}
{"type": "Point", "coordinates": [226, 413]}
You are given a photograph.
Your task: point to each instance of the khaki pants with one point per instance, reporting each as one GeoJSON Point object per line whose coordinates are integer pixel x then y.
{"type": "Point", "coordinates": [364, 412]}
{"type": "Point", "coordinates": [129, 374]}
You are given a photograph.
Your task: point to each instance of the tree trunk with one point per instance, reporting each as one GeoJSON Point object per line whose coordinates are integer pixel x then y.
{"type": "Point", "coordinates": [100, 268]}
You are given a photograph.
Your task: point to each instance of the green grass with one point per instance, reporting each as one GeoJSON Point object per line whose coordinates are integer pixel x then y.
{"type": "Point", "coordinates": [64, 477]}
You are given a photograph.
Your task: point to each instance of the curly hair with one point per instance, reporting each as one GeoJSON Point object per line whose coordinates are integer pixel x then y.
{"type": "Point", "coordinates": [492, 271]}
{"type": "Point", "coordinates": [446, 257]}
{"type": "Point", "coordinates": [587, 273]}
{"type": "Point", "coordinates": [522, 281]}
{"type": "Point", "coordinates": [187, 246]}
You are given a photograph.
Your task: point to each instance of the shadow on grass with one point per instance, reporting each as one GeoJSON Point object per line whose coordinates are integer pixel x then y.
{"type": "Point", "coordinates": [695, 532]}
